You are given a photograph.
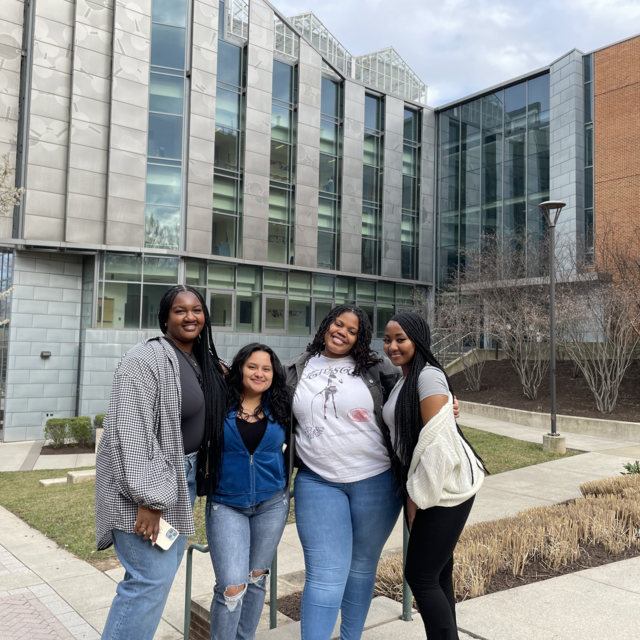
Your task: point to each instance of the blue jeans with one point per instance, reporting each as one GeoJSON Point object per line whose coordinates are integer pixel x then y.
{"type": "Point", "coordinates": [342, 528]}
{"type": "Point", "coordinates": [149, 572]}
{"type": "Point", "coordinates": [241, 542]}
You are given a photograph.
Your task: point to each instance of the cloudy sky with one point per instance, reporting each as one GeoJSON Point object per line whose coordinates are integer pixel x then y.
{"type": "Point", "coordinates": [458, 47]}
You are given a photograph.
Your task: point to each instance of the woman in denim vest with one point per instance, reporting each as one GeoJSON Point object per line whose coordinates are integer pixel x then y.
{"type": "Point", "coordinates": [248, 509]}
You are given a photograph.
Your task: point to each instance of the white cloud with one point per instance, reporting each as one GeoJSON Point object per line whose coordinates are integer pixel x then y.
{"type": "Point", "coordinates": [458, 47]}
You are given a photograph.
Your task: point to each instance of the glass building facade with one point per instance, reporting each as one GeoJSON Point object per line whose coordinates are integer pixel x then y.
{"type": "Point", "coordinates": [165, 146]}
{"type": "Point", "coordinates": [281, 241]}
{"type": "Point", "coordinates": [493, 171]}
{"type": "Point", "coordinates": [372, 181]}
{"type": "Point", "coordinates": [229, 147]}
{"type": "Point", "coordinates": [330, 175]}
{"type": "Point", "coordinates": [410, 193]}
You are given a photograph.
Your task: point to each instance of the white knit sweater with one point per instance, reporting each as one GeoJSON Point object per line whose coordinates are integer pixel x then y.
{"type": "Point", "coordinates": [444, 471]}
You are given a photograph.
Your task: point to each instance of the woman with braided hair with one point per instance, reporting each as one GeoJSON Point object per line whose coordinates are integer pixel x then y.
{"type": "Point", "coordinates": [162, 441]}
{"type": "Point", "coordinates": [436, 468]}
{"type": "Point", "coordinates": [346, 499]}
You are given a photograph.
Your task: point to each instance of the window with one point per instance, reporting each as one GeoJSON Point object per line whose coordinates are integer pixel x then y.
{"type": "Point", "coordinates": [372, 173]}
{"type": "Point", "coordinates": [131, 288]}
{"type": "Point", "coordinates": [410, 194]}
{"type": "Point", "coordinates": [281, 241]}
{"type": "Point", "coordinates": [165, 139]}
{"type": "Point", "coordinates": [330, 172]}
{"type": "Point", "coordinates": [228, 161]}
{"type": "Point", "coordinates": [588, 159]}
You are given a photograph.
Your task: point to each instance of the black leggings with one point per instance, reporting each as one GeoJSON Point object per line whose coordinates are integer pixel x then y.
{"type": "Point", "coordinates": [429, 567]}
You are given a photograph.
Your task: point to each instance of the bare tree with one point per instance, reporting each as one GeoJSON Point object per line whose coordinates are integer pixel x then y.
{"type": "Point", "coordinates": [462, 321]}
{"type": "Point", "coordinates": [516, 307]}
{"type": "Point", "coordinates": [10, 196]}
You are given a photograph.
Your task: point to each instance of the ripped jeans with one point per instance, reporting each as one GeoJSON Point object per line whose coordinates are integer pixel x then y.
{"type": "Point", "coordinates": [242, 542]}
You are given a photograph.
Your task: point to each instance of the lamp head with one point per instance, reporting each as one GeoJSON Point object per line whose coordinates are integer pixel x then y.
{"type": "Point", "coordinates": [552, 208]}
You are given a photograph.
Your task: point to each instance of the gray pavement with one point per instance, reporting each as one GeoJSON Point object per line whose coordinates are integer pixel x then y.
{"type": "Point", "coordinates": [35, 573]}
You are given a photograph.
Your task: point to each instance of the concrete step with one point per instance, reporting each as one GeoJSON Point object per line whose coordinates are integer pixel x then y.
{"type": "Point", "coordinates": [76, 477]}
{"type": "Point", "coordinates": [383, 611]}
{"type": "Point", "coordinates": [52, 481]}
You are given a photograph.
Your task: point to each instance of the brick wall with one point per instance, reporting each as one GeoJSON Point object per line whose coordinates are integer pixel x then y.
{"type": "Point", "coordinates": [617, 142]}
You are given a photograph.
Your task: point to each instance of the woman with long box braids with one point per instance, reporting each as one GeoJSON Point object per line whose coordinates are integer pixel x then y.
{"type": "Point", "coordinates": [346, 499]}
{"type": "Point", "coordinates": [435, 466]}
{"type": "Point", "coordinates": [162, 440]}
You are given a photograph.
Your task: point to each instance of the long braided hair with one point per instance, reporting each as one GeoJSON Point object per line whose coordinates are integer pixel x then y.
{"type": "Point", "coordinates": [361, 352]}
{"type": "Point", "coordinates": [214, 389]}
{"type": "Point", "coordinates": [408, 418]}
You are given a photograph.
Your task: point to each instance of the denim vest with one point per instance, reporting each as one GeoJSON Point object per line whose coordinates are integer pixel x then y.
{"type": "Point", "coordinates": [246, 480]}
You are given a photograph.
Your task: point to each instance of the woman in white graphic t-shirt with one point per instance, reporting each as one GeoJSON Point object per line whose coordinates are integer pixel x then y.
{"type": "Point", "coordinates": [346, 499]}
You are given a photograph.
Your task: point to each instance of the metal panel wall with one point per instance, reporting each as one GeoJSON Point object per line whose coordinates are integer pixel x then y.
{"type": "Point", "coordinates": [427, 196]}
{"type": "Point", "coordinates": [88, 143]}
{"type": "Point", "coordinates": [126, 185]}
{"type": "Point", "coordinates": [353, 150]}
{"type": "Point", "coordinates": [10, 57]}
{"type": "Point", "coordinates": [204, 62]}
{"type": "Point", "coordinates": [566, 157]}
{"type": "Point", "coordinates": [392, 194]}
{"type": "Point", "coordinates": [308, 164]}
{"type": "Point", "coordinates": [45, 205]}
{"type": "Point", "coordinates": [255, 223]}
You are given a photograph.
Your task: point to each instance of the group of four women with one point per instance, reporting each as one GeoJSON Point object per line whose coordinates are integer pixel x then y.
{"type": "Point", "coordinates": [367, 434]}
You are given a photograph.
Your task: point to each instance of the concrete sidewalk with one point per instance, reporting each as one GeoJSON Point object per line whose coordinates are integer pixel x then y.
{"type": "Point", "coordinates": [25, 456]}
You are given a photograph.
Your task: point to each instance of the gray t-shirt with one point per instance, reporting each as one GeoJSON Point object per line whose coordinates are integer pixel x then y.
{"type": "Point", "coordinates": [432, 382]}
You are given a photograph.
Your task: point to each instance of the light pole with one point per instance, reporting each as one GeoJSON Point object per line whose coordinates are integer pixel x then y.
{"type": "Point", "coordinates": [553, 442]}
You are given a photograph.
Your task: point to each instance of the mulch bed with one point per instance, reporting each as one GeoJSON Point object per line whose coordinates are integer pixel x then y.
{"type": "Point", "coordinates": [592, 556]}
{"type": "Point", "coordinates": [66, 449]}
{"type": "Point", "coordinates": [290, 605]}
{"type": "Point", "coordinates": [500, 386]}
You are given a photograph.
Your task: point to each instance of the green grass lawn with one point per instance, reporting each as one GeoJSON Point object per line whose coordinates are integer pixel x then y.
{"type": "Point", "coordinates": [65, 513]}
{"type": "Point", "coordinates": [501, 453]}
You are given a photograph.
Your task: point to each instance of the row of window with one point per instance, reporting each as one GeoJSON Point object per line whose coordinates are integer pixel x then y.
{"type": "Point", "coordinates": [241, 298]}
{"type": "Point", "coordinates": [165, 165]}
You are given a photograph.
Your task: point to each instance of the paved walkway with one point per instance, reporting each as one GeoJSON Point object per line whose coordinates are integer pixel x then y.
{"type": "Point", "coordinates": [61, 596]}
{"type": "Point", "coordinates": [25, 456]}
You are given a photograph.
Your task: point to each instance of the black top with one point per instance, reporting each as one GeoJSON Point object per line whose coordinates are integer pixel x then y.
{"type": "Point", "coordinates": [251, 433]}
{"type": "Point", "coordinates": [192, 423]}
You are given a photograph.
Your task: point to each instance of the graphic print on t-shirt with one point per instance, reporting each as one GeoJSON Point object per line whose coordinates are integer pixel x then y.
{"type": "Point", "coordinates": [337, 435]}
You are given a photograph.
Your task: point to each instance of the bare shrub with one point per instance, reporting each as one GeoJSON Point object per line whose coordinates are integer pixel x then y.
{"type": "Point", "coordinates": [599, 314]}
{"type": "Point", "coordinates": [555, 536]}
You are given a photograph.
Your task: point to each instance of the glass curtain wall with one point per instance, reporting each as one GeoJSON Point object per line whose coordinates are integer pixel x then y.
{"type": "Point", "coordinates": [167, 88]}
{"type": "Point", "coordinates": [410, 193]}
{"type": "Point", "coordinates": [330, 172]}
{"type": "Point", "coordinates": [588, 158]}
{"type": "Point", "coordinates": [372, 177]}
{"type": "Point", "coordinates": [493, 171]}
{"type": "Point", "coordinates": [229, 157]}
{"type": "Point", "coordinates": [130, 290]}
{"type": "Point", "coordinates": [282, 164]}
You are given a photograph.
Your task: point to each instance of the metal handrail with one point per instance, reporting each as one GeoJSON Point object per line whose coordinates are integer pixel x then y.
{"type": "Point", "coordinates": [407, 596]}
{"type": "Point", "coordinates": [273, 604]}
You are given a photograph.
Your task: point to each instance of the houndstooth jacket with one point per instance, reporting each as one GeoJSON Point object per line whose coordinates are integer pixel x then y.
{"type": "Point", "coordinates": [140, 458]}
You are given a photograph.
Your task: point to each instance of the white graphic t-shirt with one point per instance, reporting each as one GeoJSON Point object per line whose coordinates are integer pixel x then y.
{"type": "Point", "coordinates": [337, 434]}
